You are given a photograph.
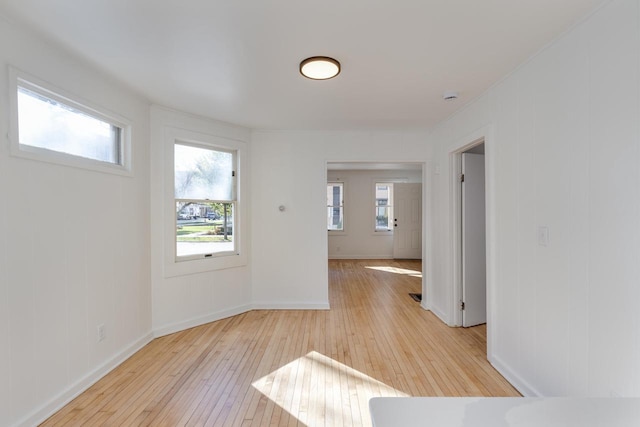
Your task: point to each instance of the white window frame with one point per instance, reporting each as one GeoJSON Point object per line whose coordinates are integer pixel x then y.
{"type": "Point", "coordinates": [174, 266]}
{"type": "Point", "coordinates": [233, 201]}
{"type": "Point", "coordinates": [344, 211]}
{"type": "Point", "coordinates": [375, 206]}
{"type": "Point", "coordinates": [19, 78]}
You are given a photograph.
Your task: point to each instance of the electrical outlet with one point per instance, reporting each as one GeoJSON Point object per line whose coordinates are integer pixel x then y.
{"type": "Point", "coordinates": [102, 333]}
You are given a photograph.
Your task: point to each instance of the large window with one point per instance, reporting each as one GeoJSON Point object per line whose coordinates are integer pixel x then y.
{"type": "Point", "coordinates": [205, 201]}
{"type": "Point", "coordinates": [54, 127]}
{"type": "Point", "coordinates": [384, 206]}
{"type": "Point", "coordinates": [335, 206]}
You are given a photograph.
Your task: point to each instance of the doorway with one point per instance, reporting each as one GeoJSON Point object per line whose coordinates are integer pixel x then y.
{"type": "Point", "coordinates": [374, 195]}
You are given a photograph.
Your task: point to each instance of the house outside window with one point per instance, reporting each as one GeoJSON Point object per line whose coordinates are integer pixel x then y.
{"type": "Point", "coordinates": [205, 201]}
{"type": "Point", "coordinates": [335, 206]}
{"type": "Point", "coordinates": [383, 206]}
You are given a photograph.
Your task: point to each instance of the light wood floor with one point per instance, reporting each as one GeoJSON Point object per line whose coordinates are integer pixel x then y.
{"type": "Point", "coordinates": [314, 368]}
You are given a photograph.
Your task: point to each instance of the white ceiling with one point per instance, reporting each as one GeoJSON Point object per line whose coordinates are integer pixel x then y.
{"type": "Point", "coordinates": [237, 60]}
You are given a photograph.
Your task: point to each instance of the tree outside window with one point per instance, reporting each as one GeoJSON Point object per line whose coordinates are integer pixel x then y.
{"type": "Point", "coordinates": [205, 201]}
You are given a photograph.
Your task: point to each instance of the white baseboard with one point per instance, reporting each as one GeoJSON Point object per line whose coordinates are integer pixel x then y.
{"type": "Point", "coordinates": [71, 392]}
{"type": "Point", "coordinates": [440, 315]}
{"type": "Point", "coordinates": [219, 315]}
{"type": "Point", "coordinates": [201, 320]}
{"type": "Point", "coordinates": [334, 256]}
{"type": "Point", "coordinates": [290, 306]}
{"type": "Point", "coordinates": [514, 379]}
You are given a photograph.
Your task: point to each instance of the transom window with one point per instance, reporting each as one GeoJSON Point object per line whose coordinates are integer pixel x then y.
{"type": "Point", "coordinates": [55, 127]}
{"type": "Point", "coordinates": [384, 206]}
{"type": "Point", "coordinates": [335, 206]}
{"type": "Point", "coordinates": [205, 201]}
{"type": "Point", "coordinates": [46, 123]}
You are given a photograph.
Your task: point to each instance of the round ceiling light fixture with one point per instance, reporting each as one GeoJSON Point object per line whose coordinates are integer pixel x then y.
{"type": "Point", "coordinates": [450, 95]}
{"type": "Point", "coordinates": [319, 68]}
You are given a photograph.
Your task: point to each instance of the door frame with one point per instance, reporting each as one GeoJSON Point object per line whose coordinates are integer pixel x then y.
{"type": "Point", "coordinates": [483, 135]}
{"type": "Point", "coordinates": [427, 269]}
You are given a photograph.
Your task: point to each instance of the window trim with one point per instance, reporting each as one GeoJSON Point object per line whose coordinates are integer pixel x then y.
{"type": "Point", "coordinates": [19, 78]}
{"type": "Point", "coordinates": [178, 267]}
{"type": "Point", "coordinates": [233, 201]}
{"type": "Point", "coordinates": [377, 232]}
{"type": "Point", "coordinates": [344, 217]}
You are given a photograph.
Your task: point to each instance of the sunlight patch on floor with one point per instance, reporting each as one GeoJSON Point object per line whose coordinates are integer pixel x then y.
{"type": "Point", "coordinates": [387, 269]}
{"type": "Point", "coordinates": [315, 389]}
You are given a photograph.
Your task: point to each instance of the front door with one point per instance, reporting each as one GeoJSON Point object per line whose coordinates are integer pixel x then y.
{"type": "Point", "coordinates": [407, 221]}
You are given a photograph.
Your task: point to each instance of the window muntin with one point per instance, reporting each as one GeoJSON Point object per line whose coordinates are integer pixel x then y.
{"type": "Point", "coordinates": [384, 206]}
{"type": "Point", "coordinates": [335, 206]}
{"type": "Point", "coordinates": [205, 201]}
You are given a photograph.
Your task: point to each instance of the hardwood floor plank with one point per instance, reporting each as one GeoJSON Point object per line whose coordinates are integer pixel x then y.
{"type": "Point", "coordinates": [297, 367]}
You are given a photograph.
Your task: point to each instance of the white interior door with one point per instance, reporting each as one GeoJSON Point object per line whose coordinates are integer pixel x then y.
{"type": "Point", "coordinates": [407, 221]}
{"type": "Point", "coordinates": [474, 275]}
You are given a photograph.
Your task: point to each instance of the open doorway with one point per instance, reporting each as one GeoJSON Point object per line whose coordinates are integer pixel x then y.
{"type": "Point", "coordinates": [367, 203]}
{"type": "Point", "coordinates": [470, 231]}
{"type": "Point", "coordinates": [374, 211]}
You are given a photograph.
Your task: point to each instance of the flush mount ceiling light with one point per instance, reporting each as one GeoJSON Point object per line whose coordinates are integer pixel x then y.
{"type": "Point", "coordinates": [319, 68]}
{"type": "Point", "coordinates": [450, 95]}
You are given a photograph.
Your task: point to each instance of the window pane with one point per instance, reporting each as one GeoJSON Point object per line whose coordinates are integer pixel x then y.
{"type": "Point", "coordinates": [335, 194]}
{"type": "Point", "coordinates": [382, 218]}
{"type": "Point", "coordinates": [204, 228]}
{"type": "Point", "coordinates": [384, 206]}
{"type": "Point", "coordinates": [46, 123]}
{"type": "Point", "coordinates": [202, 173]}
{"type": "Point", "coordinates": [334, 218]}
{"type": "Point", "coordinates": [382, 194]}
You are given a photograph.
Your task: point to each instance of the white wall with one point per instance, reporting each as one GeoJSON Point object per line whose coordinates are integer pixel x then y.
{"type": "Point", "coordinates": [289, 249]}
{"type": "Point", "coordinates": [196, 295]}
{"type": "Point", "coordinates": [563, 146]}
{"type": "Point", "coordinates": [74, 248]}
{"type": "Point", "coordinates": [359, 239]}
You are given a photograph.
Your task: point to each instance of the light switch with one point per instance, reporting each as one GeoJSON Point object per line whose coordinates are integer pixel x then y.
{"type": "Point", "coordinates": [543, 235]}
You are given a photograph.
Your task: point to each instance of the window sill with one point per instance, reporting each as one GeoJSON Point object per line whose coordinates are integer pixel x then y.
{"type": "Point", "coordinates": [62, 159]}
{"type": "Point", "coordinates": [188, 266]}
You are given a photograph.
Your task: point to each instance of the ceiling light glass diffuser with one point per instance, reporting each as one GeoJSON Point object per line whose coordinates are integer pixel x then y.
{"type": "Point", "coordinates": [320, 68]}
